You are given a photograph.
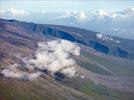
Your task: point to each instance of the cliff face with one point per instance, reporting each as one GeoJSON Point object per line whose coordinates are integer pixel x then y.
{"type": "Point", "coordinates": [116, 46]}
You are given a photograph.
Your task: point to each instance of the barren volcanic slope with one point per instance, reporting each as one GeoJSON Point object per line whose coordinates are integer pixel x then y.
{"type": "Point", "coordinates": [48, 62]}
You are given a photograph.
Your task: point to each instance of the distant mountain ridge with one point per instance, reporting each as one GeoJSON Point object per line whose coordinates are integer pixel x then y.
{"type": "Point", "coordinates": [118, 47]}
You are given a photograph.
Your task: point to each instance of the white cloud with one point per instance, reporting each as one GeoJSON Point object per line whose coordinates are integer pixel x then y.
{"type": "Point", "coordinates": [82, 15]}
{"type": "Point", "coordinates": [102, 12]}
{"type": "Point", "coordinates": [12, 12]}
{"type": "Point", "coordinates": [13, 71]}
{"type": "Point", "coordinates": [102, 15]}
{"type": "Point", "coordinates": [2, 12]}
{"type": "Point", "coordinates": [53, 56]}
{"type": "Point", "coordinates": [128, 11]}
{"type": "Point", "coordinates": [106, 38]}
{"type": "Point", "coordinates": [99, 15]}
{"type": "Point", "coordinates": [68, 14]}
{"type": "Point", "coordinates": [78, 15]}
{"type": "Point", "coordinates": [43, 12]}
{"type": "Point", "coordinates": [33, 76]}
{"type": "Point", "coordinates": [115, 29]}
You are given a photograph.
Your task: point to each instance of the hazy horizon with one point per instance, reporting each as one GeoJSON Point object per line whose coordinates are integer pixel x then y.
{"type": "Point", "coordinates": [108, 17]}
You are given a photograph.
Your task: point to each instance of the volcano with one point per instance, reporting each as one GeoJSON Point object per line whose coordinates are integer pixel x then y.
{"type": "Point", "coordinates": [54, 62]}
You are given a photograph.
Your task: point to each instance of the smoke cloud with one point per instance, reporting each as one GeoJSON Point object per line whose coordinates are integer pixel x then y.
{"type": "Point", "coordinates": [53, 56]}
{"type": "Point", "coordinates": [13, 71]}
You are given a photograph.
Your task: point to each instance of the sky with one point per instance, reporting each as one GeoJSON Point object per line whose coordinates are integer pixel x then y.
{"type": "Point", "coordinates": [114, 17]}
{"type": "Point", "coordinates": [62, 5]}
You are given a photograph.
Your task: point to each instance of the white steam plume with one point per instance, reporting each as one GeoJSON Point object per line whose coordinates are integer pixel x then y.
{"type": "Point", "coordinates": [53, 56]}
{"type": "Point", "coordinates": [13, 71]}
